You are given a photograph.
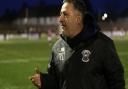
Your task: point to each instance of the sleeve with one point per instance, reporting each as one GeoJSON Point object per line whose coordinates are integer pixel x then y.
{"type": "Point", "coordinates": [114, 72]}
{"type": "Point", "coordinates": [50, 80]}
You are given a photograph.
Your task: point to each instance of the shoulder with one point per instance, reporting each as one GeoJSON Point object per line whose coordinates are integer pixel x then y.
{"type": "Point", "coordinates": [104, 40]}
{"type": "Point", "coordinates": [58, 44]}
{"type": "Point", "coordinates": [104, 43]}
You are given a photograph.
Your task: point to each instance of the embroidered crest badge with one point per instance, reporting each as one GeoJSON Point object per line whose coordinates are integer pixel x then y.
{"type": "Point", "coordinates": [86, 54]}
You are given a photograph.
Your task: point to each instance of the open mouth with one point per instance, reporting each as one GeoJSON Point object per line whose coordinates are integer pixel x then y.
{"type": "Point", "coordinates": [63, 26]}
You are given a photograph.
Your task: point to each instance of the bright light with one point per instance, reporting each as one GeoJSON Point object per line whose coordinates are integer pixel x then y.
{"type": "Point", "coordinates": [104, 16]}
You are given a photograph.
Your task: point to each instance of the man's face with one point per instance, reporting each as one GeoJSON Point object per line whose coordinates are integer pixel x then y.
{"type": "Point", "coordinates": [70, 20]}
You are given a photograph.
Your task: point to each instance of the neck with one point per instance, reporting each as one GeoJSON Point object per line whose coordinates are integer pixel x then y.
{"type": "Point", "coordinates": [77, 30]}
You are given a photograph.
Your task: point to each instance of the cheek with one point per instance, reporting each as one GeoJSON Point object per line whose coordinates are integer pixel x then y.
{"type": "Point", "coordinates": [71, 21]}
{"type": "Point", "coordinates": [74, 20]}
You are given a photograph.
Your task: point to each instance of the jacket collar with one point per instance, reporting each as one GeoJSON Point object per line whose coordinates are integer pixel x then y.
{"type": "Point", "coordinates": [86, 36]}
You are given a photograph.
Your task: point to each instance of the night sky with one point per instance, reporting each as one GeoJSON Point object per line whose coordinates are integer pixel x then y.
{"type": "Point", "coordinates": [113, 6]}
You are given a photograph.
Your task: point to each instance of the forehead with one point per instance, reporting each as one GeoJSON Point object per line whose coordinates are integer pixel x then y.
{"type": "Point", "coordinates": [67, 7]}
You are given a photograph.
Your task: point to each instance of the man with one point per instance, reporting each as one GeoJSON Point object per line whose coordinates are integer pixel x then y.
{"type": "Point", "coordinates": [83, 58]}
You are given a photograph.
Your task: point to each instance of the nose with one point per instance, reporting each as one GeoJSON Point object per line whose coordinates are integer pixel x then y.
{"type": "Point", "coordinates": [61, 18]}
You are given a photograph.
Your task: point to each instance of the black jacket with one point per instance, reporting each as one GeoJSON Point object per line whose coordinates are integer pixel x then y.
{"type": "Point", "coordinates": [84, 64]}
{"type": "Point", "coordinates": [87, 61]}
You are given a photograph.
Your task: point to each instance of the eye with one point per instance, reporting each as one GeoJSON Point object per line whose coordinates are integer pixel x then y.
{"type": "Point", "coordinates": [65, 14]}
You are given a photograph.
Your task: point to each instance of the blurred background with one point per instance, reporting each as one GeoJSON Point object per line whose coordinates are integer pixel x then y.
{"type": "Point", "coordinates": [29, 28]}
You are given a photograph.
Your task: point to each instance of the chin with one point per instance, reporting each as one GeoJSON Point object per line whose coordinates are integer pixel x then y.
{"type": "Point", "coordinates": [66, 34]}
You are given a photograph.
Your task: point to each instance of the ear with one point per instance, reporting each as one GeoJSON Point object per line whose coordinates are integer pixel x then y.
{"type": "Point", "coordinates": [78, 19]}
